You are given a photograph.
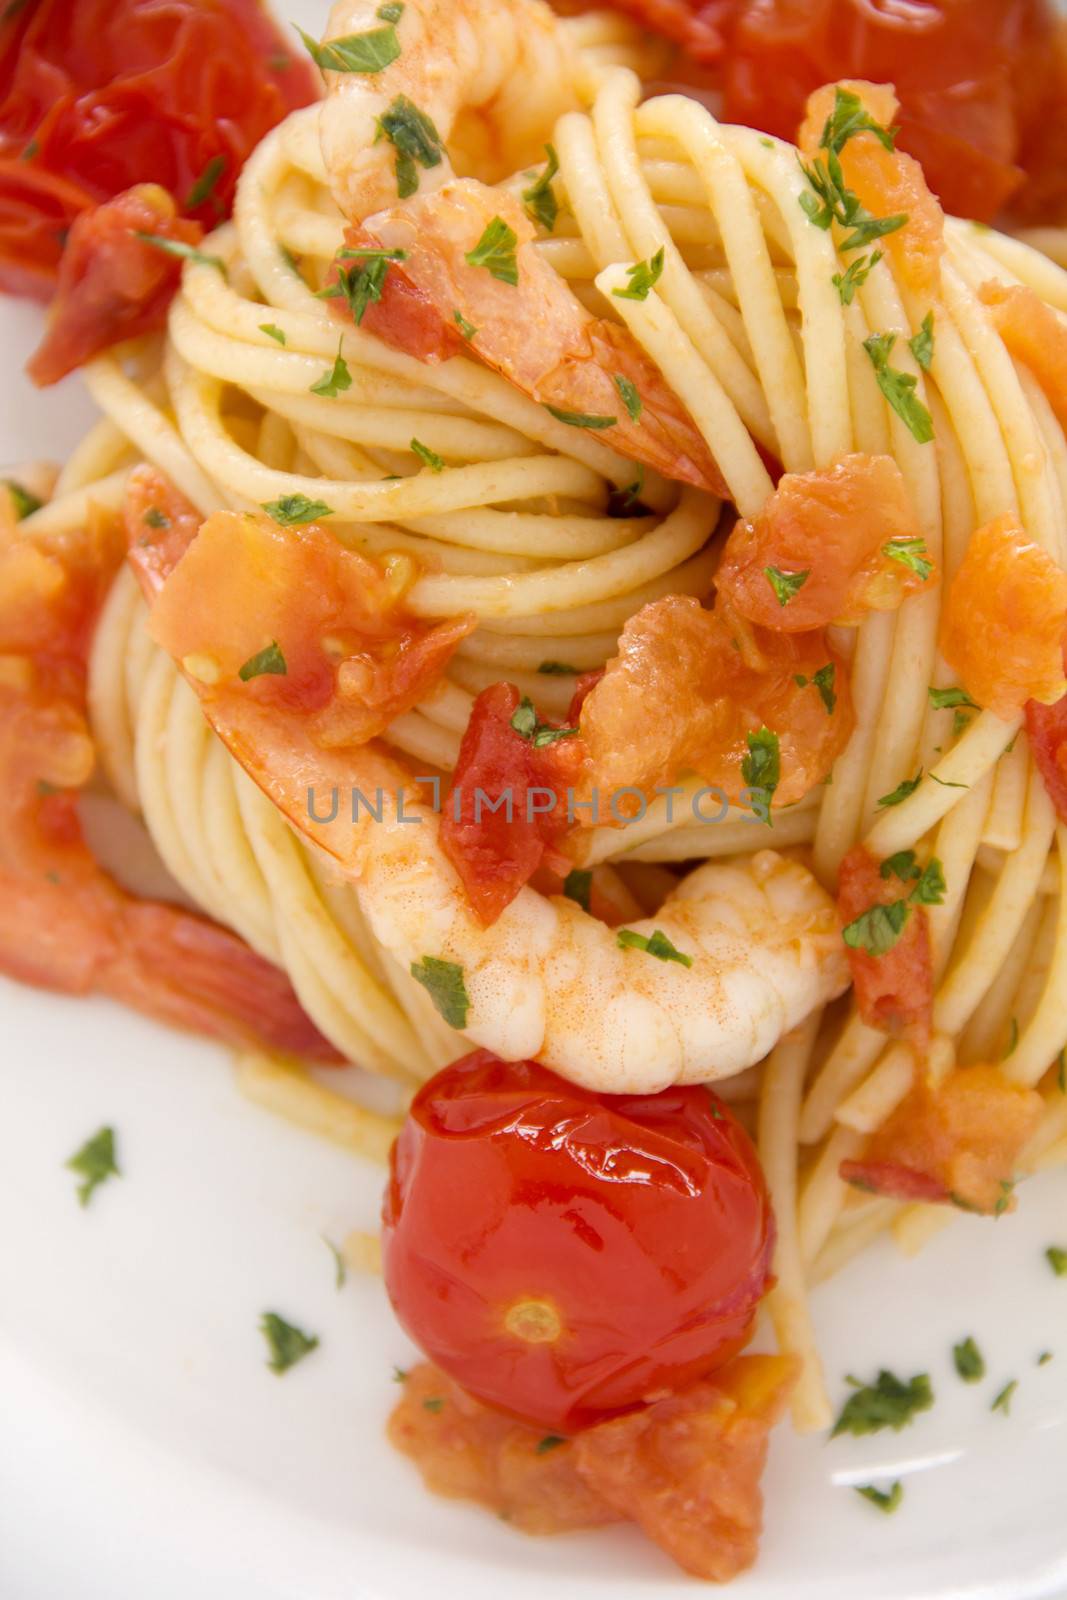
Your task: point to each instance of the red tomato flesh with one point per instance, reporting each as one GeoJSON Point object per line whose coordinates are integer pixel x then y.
{"type": "Point", "coordinates": [566, 1255]}
{"type": "Point", "coordinates": [894, 990]}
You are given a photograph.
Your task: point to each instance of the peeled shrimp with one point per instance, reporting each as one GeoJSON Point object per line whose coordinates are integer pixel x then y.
{"type": "Point", "coordinates": [546, 980]}
{"type": "Point", "coordinates": [506, 65]}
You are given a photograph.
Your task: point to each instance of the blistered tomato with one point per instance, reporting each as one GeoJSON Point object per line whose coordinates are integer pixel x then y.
{"type": "Point", "coordinates": [565, 1255]}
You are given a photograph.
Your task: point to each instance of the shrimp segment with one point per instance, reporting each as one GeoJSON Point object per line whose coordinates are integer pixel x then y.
{"type": "Point", "coordinates": [546, 981]}
{"type": "Point", "coordinates": [507, 68]}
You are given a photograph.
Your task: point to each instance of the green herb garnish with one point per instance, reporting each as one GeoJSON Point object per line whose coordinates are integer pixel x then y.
{"type": "Point", "coordinates": [332, 383]}
{"type": "Point", "coordinates": [287, 1344]}
{"type": "Point", "coordinates": [495, 251]}
{"type": "Point", "coordinates": [761, 769]}
{"type": "Point", "coordinates": [444, 983]}
{"type": "Point", "coordinates": [944, 699]}
{"type": "Point", "coordinates": [888, 1402]}
{"type": "Point", "coordinates": [266, 662]}
{"type": "Point", "coordinates": [969, 1361]}
{"type": "Point", "coordinates": [435, 462]}
{"type": "Point", "coordinates": [642, 275]}
{"type": "Point", "coordinates": [467, 329]}
{"type": "Point", "coordinates": [205, 184]}
{"type": "Point", "coordinates": [94, 1163]}
{"type": "Point", "coordinates": [1004, 1398]}
{"type": "Point", "coordinates": [155, 518]}
{"type": "Point", "coordinates": [178, 247]}
{"type": "Point", "coordinates": [24, 502]}
{"type": "Point", "coordinates": [434, 1403]}
{"type": "Point", "coordinates": [630, 397]}
{"type": "Point", "coordinates": [551, 1441]}
{"type": "Point", "coordinates": [272, 331]}
{"type": "Point", "coordinates": [340, 1266]}
{"type": "Point", "coordinates": [903, 789]}
{"type": "Point", "coordinates": [903, 865]}
{"type": "Point", "coordinates": [899, 388]}
{"type": "Point", "coordinates": [886, 1500]}
{"type": "Point", "coordinates": [1056, 1256]}
{"type": "Point", "coordinates": [922, 344]}
{"type": "Point", "coordinates": [655, 944]}
{"type": "Point", "coordinates": [539, 199]}
{"type": "Point", "coordinates": [580, 419]}
{"type": "Point", "coordinates": [356, 52]}
{"type": "Point", "coordinates": [910, 553]}
{"type": "Point", "coordinates": [786, 584]}
{"type": "Point", "coordinates": [292, 510]}
{"type": "Point", "coordinates": [557, 669]}
{"type": "Point", "coordinates": [846, 283]}
{"type": "Point", "coordinates": [577, 886]}
{"type": "Point", "coordinates": [414, 138]}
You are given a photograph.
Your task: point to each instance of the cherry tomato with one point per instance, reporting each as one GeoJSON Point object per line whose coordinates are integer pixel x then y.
{"type": "Point", "coordinates": [98, 95]}
{"type": "Point", "coordinates": [566, 1255]}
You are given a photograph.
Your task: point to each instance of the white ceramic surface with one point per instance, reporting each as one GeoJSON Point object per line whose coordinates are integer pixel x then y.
{"type": "Point", "coordinates": [147, 1453]}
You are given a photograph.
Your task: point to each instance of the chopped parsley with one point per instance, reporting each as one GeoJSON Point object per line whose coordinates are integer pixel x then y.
{"type": "Point", "coordinates": [1056, 1256]}
{"type": "Point", "coordinates": [947, 783]}
{"type": "Point", "coordinates": [272, 331]}
{"type": "Point", "coordinates": [823, 680]}
{"type": "Point", "coordinates": [944, 699]}
{"type": "Point", "coordinates": [392, 11]}
{"type": "Point", "coordinates": [899, 389]}
{"type": "Point", "coordinates": [495, 251]}
{"type": "Point", "coordinates": [969, 1361]}
{"type": "Point", "coordinates": [903, 789]}
{"type": "Point", "coordinates": [1004, 1398]}
{"type": "Point", "coordinates": [877, 929]}
{"type": "Point", "coordinates": [340, 1268]}
{"type": "Point", "coordinates": [204, 186]}
{"type": "Point", "coordinates": [655, 944]}
{"type": "Point", "coordinates": [580, 419]}
{"type": "Point", "coordinates": [888, 1402]}
{"type": "Point", "coordinates": [910, 553]}
{"type": "Point", "coordinates": [435, 462]}
{"type": "Point", "coordinates": [786, 584]}
{"type": "Point", "coordinates": [94, 1163]}
{"type": "Point", "coordinates": [268, 662]}
{"type": "Point", "coordinates": [762, 768]}
{"type": "Point", "coordinates": [400, 1375]}
{"type": "Point", "coordinates": [1013, 1038]}
{"type": "Point", "coordinates": [155, 518]}
{"type": "Point", "coordinates": [288, 257]}
{"type": "Point", "coordinates": [846, 283]}
{"type": "Point", "coordinates": [356, 52]}
{"type": "Point", "coordinates": [414, 138]}
{"type": "Point", "coordinates": [24, 502]}
{"type": "Point", "coordinates": [833, 201]}
{"type": "Point", "coordinates": [551, 1441]}
{"type": "Point", "coordinates": [886, 1500]}
{"type": "Point", "coordinates": [922, 344]}
{"type": "Point", "coordinates": [577, 885]}
{"type": "Point", "coordinates": [294, 509]}
{"type": "Point", "coordinates": [539, 200]}
{"type": "Point", "coordinates": [625, 501]}
{"type": "Point", "coordinates": [903, 865]}
{"type": "Point", "coordinates": [433, 1403]}
{"type": "Point", "coordinates": [539, 734]}
{"type": "Point", "coordinates": [557, 669]}
{"type": "Point", "coordinates": [467, 329]}
{"type": "Point", "coordinates": [643, 275]}
{"type": "Point", "coordinates": [444, 983]}
{"type": "Point", "coordinates": [361, 284]}
{"type": "Point", "coordinates": [178, 247]}
{"type": "Point", "coordinates": [1044, 1358]}
{"type": "Point", "coordinates": [849, 117]}
{"type": "Point", "coordinates": [287, 1344]}
{"type": "Point", "coordinates": [332, 383]}
{"type": "Point", "coordinates": [630, 397]}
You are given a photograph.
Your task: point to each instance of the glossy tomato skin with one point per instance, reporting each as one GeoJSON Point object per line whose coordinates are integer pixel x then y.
{"type": "Point", "coordinates": [565, 1255]}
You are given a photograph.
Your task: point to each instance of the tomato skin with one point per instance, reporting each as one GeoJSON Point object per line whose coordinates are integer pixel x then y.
{"type": "Point", "coordinates": [641, 1222]}
{"type": "Point", "coordinates": [108, 93]}
{"type": "Point", "coordinates": [1046, 729]}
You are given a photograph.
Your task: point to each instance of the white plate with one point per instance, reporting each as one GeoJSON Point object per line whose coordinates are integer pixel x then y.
{"type": "Point", "coordinates": [147, 1453]}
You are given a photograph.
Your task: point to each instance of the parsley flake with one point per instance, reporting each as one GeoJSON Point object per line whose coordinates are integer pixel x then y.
{"type": "Point", "coordinates": [944, 699]}
{"type": "Point", "coordinates": [355, 52]}
{"type": "Point", "coordinates": [969, 1361]}
{"type": "Point", "coordinates": [762, 768]}
{"type": "Point", "coordinates": [1013, 1038]}
{"type": "Point", "coordinates": [910, 553]}
{"type": "Point", "coordinates": [272, 331]}
{"type": "Point", "coordinates": [846, 283]}
{"type": "Point", "coordinates": [1004, 1398]}
{"type": "Point", "coordinates": [786, 584]}
{"type": "Point", "coordinates": [526, 724]}
{"type": "Point", "coordinates": [205, 185]}
{"type": "Point", "coordinates": [1056, 1256]}
{"type": "Point", "coordinates": [445, 985]}
{"type": "Point", "coordinates": [877, 929]}
{"type": "Point", "coordinates": [334, 382]}
{"type": "Point", "coordinates": [557, 669]}
{"type": "Point", "coordinates": [155, 518]}
{"type": "Point", "coordinates": [655, 944]}
{"type": "Point", "coordinates": [24, 502]}
{"type": "Point", "coordinates": [643, 275]}
{"type": "Point", "coordinates": [625, 501]}
{"type": "Point", "coordinates": [577, 885]}
{"type": "Point", "coordinates": [922, 345]}
{"type": "Point", "coordinates": [539, 200]}
{"type": "Point", "coordinates": [630, 397]}
{"type": "Point", "coordinates": [435, 462]}
{"type": "Point", "coordinates": [551, 1441]}
{"type": "Point", "coordinates": [268, 662]}
{"type": "Point", "coordinates": [849, 117]}
{"type": "Point", "coordinates": [362, 284]}
{"type": "Point", "coordinates": [495, 251]}
{"type": "Point", "coordinates": [340, 1266]}
{"type": "Point", "coordinates": [392, 11]}
{"type": "Point", "coordinates": [823, 680]}
{"type": "Point", "coordinates": [433, 1403]}
{"type": "Point", "coordinates": [903, 789]}
{"type": "Point", "coordinates": [414, 138]}
{"type": "Point", "coordinates": [178, 247]}
{"type": "Point", "coordinates": [400, 1375]}
{"type": "Point", "coordinates": [889, 1402]}
{"type": "Point", "coordinates": [899, 390]}
{"type": "Point", "coordinates": [903, 865]}
{"type": "Point", "coordinates": [886, 1500]}
{"type": "Point", "coordinates": [292, 510]}
{"type": "Point", "coordinates": [287, 1344]}
{"type": "Point", "coordinates": [580, 419]}
{"type": "Point", "coordinates": [467, 329]}
{"type": "Point", "coordinates": [1044, 1358]}
{"type": "Point", "coordinates": [94, 1163]}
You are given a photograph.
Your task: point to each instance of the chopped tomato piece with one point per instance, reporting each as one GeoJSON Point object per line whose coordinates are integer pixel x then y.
{"type": "Point", "coordinates": [508, 806]}
{"type": "Point", "coordinates": [103, 94]}
{"type": "Point", "coordinates": [64, 924]}
{"type": "Point", "coordinates": [317, 629]}
{"type": "Point", "coordinates": [112, 285]}
{"type": "Point", "coordinates": [404, 315]}
{"type": "Point", "coordinates": [713, 680]}
{"type": "Point", "coordinates": [1046, 729]}
{"type": "Point", "coordinates": [686, 1469]}
{"type": "Point", "coordinates": [1035, 335]}
{"type": "Point", "coordinates": [816, 553]}
{"type": "Point", "coordinates": [958, 1140]}
{"type": "Point", "coordinates": [895, 989]}
{"type": "Point", "coordinates": [888, 182]}
{"type": "Point", "coordinates": [1002, 629]}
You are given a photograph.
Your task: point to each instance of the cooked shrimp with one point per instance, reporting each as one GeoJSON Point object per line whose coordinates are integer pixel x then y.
{"type": "Point", "coordinates": [745, 951]}
{"type": "Point", "coordinates": [508, 62]}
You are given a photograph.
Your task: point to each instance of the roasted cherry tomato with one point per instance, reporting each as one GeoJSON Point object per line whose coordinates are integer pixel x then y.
{"type": "Point", "coordinates": [566, 1255]}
